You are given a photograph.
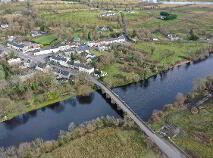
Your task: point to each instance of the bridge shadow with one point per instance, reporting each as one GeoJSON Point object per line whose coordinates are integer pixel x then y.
{"type": "Point", "coordinates": [113, 106]}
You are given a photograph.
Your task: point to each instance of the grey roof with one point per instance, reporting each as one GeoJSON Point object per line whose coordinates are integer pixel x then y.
{"type": "Point", "coordinates": [63, 72]}
{"type": "Point", "coordinates": [58, 57]}
{"type": "Point", "coordinates": [82, 48]}
{"type": "Point", "coordinates": [81, 65]}
{"type": "Point", "coordinates": [42, 65]}
{"type": "Point", "coordinates": [16, 44]}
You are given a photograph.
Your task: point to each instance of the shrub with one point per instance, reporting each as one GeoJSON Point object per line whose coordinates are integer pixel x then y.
{"type": "Point", "coordinates": [171, 17]}
{"type": "Point", "coordinates": [164, 13]}
{"type": "Point", "coordinates": [192, 36]}
{"type": "Point", "coordinates": [168, 16]}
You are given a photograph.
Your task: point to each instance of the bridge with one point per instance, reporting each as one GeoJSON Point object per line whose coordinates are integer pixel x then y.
{"type": "Point", "coordinates": [168, 148]}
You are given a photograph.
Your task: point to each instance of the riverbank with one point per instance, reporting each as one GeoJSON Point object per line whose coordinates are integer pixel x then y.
{"type": "Point", "coordinates": [103, 137]}
{"type": "Point", "coordinates": [191, 115]}
{"type": "Point", "coordinates": [30, 108]}
{"type": "Point", "coordinates": [69, 96]}
{"type": "Point", "coordinates": [143, 60]}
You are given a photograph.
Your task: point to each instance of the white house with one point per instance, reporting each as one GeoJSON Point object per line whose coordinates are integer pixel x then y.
{"type": "Point", "coordinates": [4, 26]}
{"type": "Point", "coordinates": [83, 68]}
{"type": "Point", "coordinates": [173, 37]}
{"type": "Point", "coordinates": [64, 47]}
{"type": "Point", "coordinates": [14, 61]}
{"type": "Point", "coordinates": [119, 39]}
{"type": "Point", "coordinates": [63, 61]}
{"type": "Point", "coordinates": [37, 33]}
{"type": "Point", "coordinates": [47, 51]}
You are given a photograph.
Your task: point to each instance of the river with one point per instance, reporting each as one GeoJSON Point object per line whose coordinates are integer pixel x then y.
{"type": "Point", "coordinates": [144, 97]}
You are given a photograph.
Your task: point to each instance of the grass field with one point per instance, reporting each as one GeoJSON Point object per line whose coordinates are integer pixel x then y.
{"type": "Point", "coordinates": [196, 17]}
{"type": "Point", "coordinates": [81, 18]}
{"type": "Point", "coordinates": [170, 53]}
{"type": "Point", "coordinates": [197, 136]}
{"type": "Point", "coordinates": [107, 142]}
{"type": "Point", "coordinates": [46, 39]}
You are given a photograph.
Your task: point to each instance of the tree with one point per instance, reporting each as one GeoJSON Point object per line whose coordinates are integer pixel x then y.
{"type": "Point", "coordinates": [192, 36]}
{"type": "Point", "coordinates": [134, 33]}
{"type": "Point", "coordinates": [90, 36]}
{"type": "Point", "coordinates": [124, 24]}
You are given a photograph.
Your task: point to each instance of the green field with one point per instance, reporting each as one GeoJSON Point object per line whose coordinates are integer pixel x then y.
{"type": "Point", "coordinates": [107, 142]}
{"type": "Point", "coordinates": [196, 137]}
{"type": "Point", "coordinates": [46, 39]}
{"type": "Point", "coordinates": [78, 18]}
{"type": "Point", "coordinates": [170, 53]}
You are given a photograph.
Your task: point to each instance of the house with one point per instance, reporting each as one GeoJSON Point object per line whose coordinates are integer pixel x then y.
{"type": "Point", "coordinates": [84, 68]}
{"type": "Point", "coordinates": [90, 56]}
{"type": "Point", "coordinates": [31, 47]}
{"type": "Point", "coordinates": [42, 67]}
{"type": "Point", "coordinates": [173, 37]}
{"type": "Point", "coordinates": [109, 14]}
{"type": "Point", "coordinates": [4, 26]}
{"type": "Point", "coordinates": [102, 48]}
{"type": "Point", "coordinates": [17, 46]}
{"type": "Point", "coordinates": [63, 61]}
{"type": "Point", "coordinates": [61, 74]}
{"type": "Point", "coordinates": [37, 33]}
{"type": "Point", "coordinates": [162, 17]}
{"type": "Point", "coordinates": [99, 74]}
{"type": "Point", "coordinates": [82, 48]}
{"type": "Point", "coordinates": [47, 51]}
{"type": "Point", "coordinates": [117, 40]}
{"type": "Point", "coordinates": [155, 39]}
{"type": "Point", "coordinates": [14, 61]}
{"type": "Point", "coordinates": [92, 44]}
{"type": "Point", "coordinates": [64, 47]}
{"type": "Point", "coordinates": [69, 51]}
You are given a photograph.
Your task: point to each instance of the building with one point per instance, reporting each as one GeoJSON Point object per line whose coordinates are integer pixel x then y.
{"type": "Point", "coordinates": [173, 37]}
{"type": "Point", "coordinates": [63, 61]}
{"type": "Point", "coordinates": [47, 51]}
{"type": "Point", "coordinates": [42, 67]}
{"type": "Point", "coordinates": [4, 26]}
{"type": "Point", "coordinates": [84, 68]}
{"type": "Point", "coordinates": [23, 47]}
{"type": "Point", "coordinates": [17, 46]}
{"type": "Point", "coordinates": [99, 74]}
{"type": "Point", "coordinates": [61, 74]}
{"type": "Point", "coordinates": [14, 61]}
{"type": "Point", "coordinates": [120, 39]}
{"type": "Point", "coordinates": [82, 48]}
{"type": "Point", "coordinates": [37, 33]}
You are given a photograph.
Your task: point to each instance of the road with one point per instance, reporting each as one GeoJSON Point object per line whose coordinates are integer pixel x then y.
{"type": "Point", "coordinates": [166, 147]}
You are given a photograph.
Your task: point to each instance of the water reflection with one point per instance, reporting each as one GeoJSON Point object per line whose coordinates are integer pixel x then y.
{"type": "Point", "coordinates": [157, 91]}
{"type": "Point", "coordinates": [86, 99]}
{"type": "Point", "coordinates": [144, 97]}
{"type": "Point", "coordinates": [47, 122]}
{"type": "Point", "coordinates": [17, 121]}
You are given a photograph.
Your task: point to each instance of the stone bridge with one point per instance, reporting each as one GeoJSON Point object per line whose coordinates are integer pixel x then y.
{"type": "Point", "coordinates": [167, 147]}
